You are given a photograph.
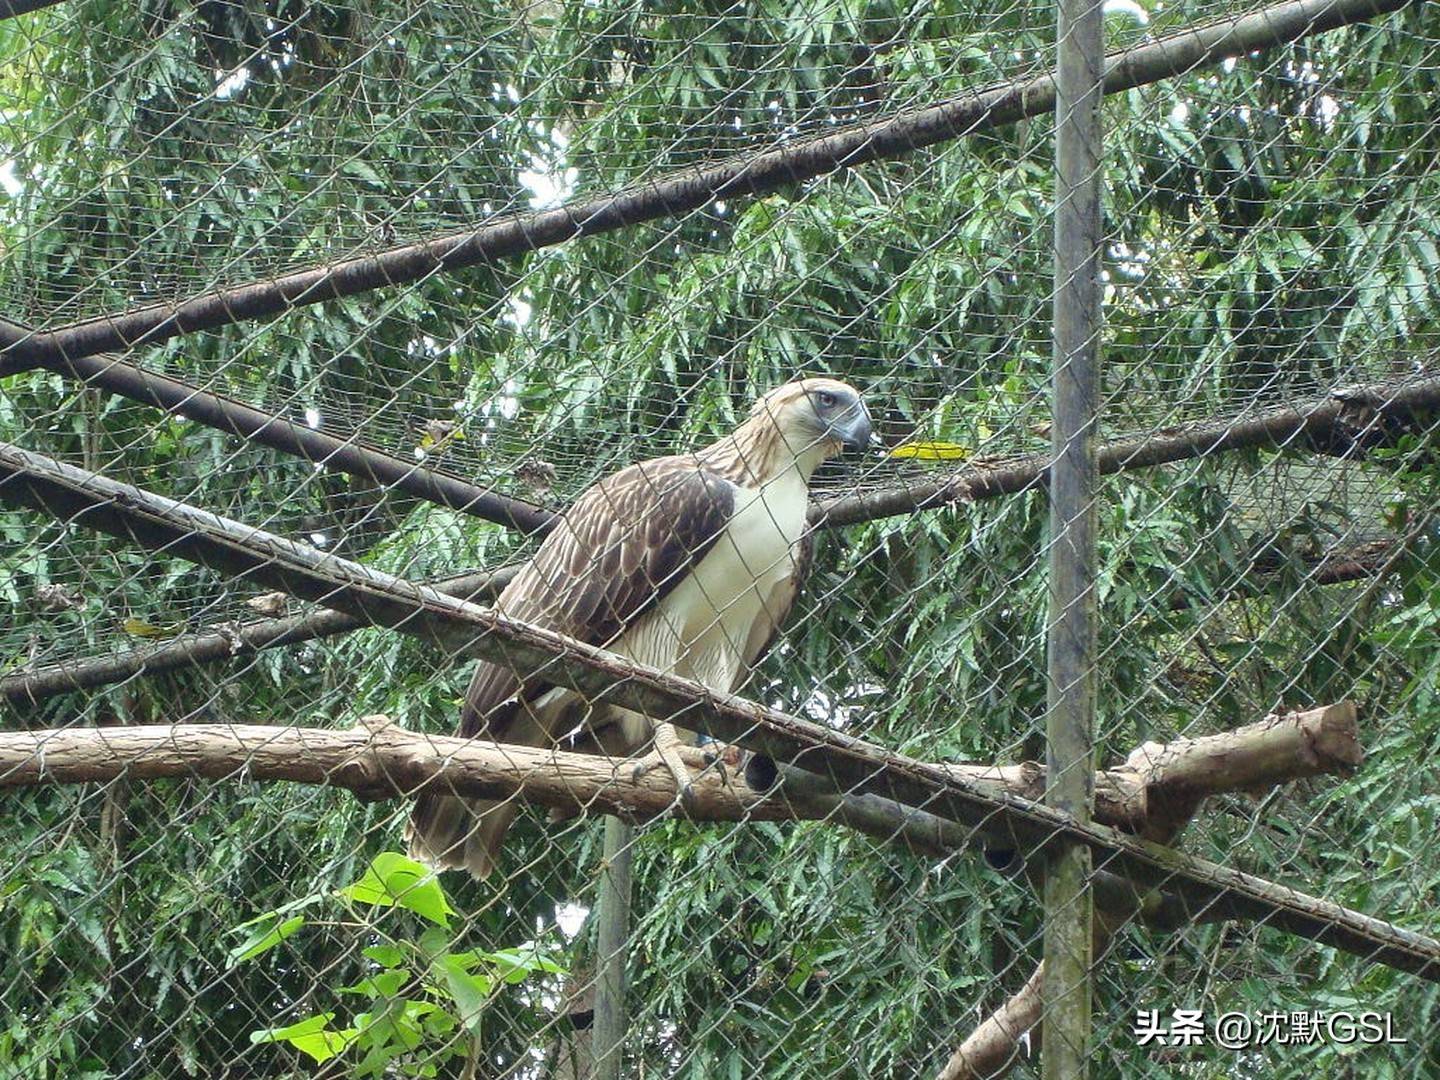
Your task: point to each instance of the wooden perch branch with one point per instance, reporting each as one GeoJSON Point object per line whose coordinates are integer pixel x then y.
{"type": "Point", "coordinates": [995, 1045]}
{"type": "Point", "coordinates": [1160, 784]}
{"type": "Point", "coordinates": [1355, 420]}
{"type": "Point", "coordinates": [1170, 780]}
{"type": "Point", "coordinates": [1357, 417]}
{"type": "Point", "coordinates": [462, 628]}
{"type": "Point", "coordinates": [375, 760]}
{"type": "Point", "coordinates": [379, 760]}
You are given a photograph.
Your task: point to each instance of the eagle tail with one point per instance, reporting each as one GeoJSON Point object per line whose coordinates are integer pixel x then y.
{"type": "Point", "coordinates": [449, 832]}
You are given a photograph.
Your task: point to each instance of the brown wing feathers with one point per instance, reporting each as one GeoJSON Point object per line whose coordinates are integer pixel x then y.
{"type": "Point", "coordinates": [620, 549]}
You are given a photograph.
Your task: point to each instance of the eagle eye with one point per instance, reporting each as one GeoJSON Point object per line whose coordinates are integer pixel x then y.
{"type": "Point", "coordinates": [826, 399]}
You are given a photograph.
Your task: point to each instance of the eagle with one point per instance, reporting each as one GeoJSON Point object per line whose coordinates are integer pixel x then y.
{"type": "Point", "coordinates": [687, 563]}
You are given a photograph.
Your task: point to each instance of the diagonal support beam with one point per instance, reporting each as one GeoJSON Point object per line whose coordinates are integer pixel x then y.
{"type": "Point", "coordinates": [683, 192]}
{"type": "Point", "coordinates": [1354, 416]}
{"type": "Point", "coordinates": [461, 628]}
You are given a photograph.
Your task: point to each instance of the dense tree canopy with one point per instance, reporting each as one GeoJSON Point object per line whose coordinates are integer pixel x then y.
{"type": "Point", "coordinates": [1272, 233]}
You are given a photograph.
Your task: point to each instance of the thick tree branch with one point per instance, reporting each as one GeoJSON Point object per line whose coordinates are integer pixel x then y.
{"type": "Point", "coordinates": [379, 760]}
{"type": "Point", "coordinates": [15, 340]}
{"type": "Point", "coordinates": [996, 1045]}
{"type": "Point", "coordinates": [462, 628]}
{"type": "Point", "coordinates": [1156, 788]}
{"type": "Point", "coordinates": [1161, 784]}
{"type": "Point", "coordinates": [679, 193]}
{"type": "Point", "coordinates": [1171, 780]}
{"type": "Point", "coordinates": [1351, 422]}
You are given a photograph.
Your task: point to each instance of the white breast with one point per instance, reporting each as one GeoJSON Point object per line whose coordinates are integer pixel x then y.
{"type": "Point", "coordinates": [701, 627]}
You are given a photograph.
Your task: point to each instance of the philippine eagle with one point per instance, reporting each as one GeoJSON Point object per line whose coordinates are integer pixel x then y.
{"type": "Point", "coordinates": [688, 564]}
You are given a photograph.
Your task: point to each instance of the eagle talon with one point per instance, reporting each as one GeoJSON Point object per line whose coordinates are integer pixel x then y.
{"type": "Point", "coordinates": [689, 800]}
{"type": "Point", "coordinates": [667, 749]}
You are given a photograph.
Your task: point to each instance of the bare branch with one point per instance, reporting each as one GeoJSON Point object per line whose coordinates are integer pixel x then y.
{"type": "Point", "coordinates": [1161, 783]}
{"type": "Point", "coordinates": [1360, 417]}
{"type": "Point", "coordinates": [341, 453]}
{"type": "Point", "coordinates": [378, 759]}
{"type": "Point", "coordinates": [997, 1044]}
{"type": "Point", "coordinates": [214, 645]}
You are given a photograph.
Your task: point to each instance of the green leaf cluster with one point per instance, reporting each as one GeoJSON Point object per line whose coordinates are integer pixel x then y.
{"type": "Point", "coordinates": [420, 989]}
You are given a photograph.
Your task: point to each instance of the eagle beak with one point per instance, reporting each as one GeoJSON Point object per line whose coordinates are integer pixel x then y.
{"type": "Point", "coordinates": [854, 431]}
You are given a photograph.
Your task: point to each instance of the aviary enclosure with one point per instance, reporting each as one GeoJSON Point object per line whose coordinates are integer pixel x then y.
{"type": "Point", "coordinates": [316, 316]}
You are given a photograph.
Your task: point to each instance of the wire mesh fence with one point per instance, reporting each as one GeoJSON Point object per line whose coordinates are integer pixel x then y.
{"type": "Point", "coordinates": [321, 320]}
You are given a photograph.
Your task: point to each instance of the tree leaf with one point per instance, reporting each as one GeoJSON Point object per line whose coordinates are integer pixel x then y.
{"type": "Point", "coordinates": [310, 1036]}
{"type": "Point", "coordinates": [262, 939]}
{"type": "Point", "coordinates": [394, 880]}
{"type": "Point", "coordinates": [471, 992]}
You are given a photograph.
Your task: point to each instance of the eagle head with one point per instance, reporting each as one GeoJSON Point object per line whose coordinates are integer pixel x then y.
{"type": "Point", "coordinates": [823, 412]}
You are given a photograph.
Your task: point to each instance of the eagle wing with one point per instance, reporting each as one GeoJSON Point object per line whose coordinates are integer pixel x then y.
{"type": "Point", "coordinates": [622, 546]}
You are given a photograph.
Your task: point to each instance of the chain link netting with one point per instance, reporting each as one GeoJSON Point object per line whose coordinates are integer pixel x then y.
{"type": "Point", "coordinates": [1266, 520]}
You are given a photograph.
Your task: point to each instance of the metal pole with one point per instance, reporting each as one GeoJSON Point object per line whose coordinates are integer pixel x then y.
{"type": "Point", "coordinates": [611, 1019]}
{"type": "Point", "coordinates": [1065, 1026]}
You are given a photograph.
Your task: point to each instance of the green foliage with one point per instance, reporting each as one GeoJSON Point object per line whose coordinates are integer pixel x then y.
{"type": "Point", "coordinates": [1271, 233]}
{"type": "Point", "coordinates": [420, 988]}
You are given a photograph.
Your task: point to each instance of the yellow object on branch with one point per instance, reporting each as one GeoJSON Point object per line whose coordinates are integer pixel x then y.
{"type": "Point", "coordinates": [932, 451]}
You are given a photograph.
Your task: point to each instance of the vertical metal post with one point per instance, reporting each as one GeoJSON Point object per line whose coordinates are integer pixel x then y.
{"type": "Point", "coordinates": [613, 949]}
{"type": "Point", "coordinates": [1071, 632]}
